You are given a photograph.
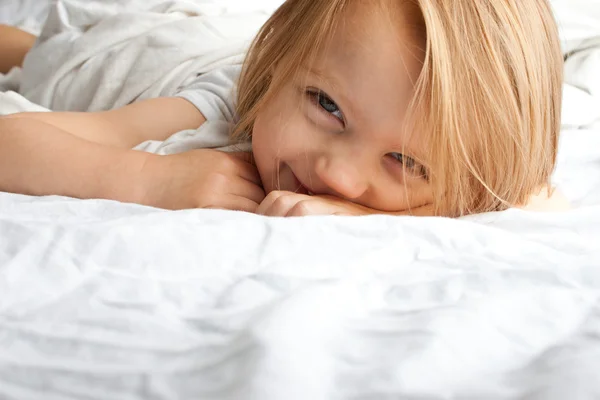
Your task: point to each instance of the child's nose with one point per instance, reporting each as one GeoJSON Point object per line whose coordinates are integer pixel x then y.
{"type": "Point", "coordinates": [342, 177]}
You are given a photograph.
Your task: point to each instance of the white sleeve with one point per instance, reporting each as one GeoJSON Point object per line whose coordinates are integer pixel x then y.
{"type": "Point", "coordinates": [213, 93]}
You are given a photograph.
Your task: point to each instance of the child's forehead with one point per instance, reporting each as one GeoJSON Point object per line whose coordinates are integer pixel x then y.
{"type": "Point", "coordinates": [366, 30]}
{"type": "Point", "coordinates": [370, 44]}
{"type": "Point", "coordinates": [361, 17]}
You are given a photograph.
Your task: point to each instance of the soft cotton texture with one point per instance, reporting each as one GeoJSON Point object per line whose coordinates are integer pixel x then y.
{"type": "Point", "coordinates": [102, 300]}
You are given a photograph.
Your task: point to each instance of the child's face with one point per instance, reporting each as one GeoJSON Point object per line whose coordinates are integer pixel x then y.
{"type": "Point", "coordinates": [339, 131]}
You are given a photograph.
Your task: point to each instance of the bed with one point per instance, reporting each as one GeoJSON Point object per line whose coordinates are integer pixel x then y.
{"type": "Point", "coordinates": [103, 300]}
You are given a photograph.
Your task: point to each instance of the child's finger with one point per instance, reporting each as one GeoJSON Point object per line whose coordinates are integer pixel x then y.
{"type": "Point", "coordinates": [267, 203]}
{"type": "Point", "coordinates": [251, 175]}
{"type": "Point", "coordinates": [236, 203]}
{"type": "Point", "coordinates": [249, 190]}
{"type": "Point", "coordinates": [279, 203]}
{"type": "Point", "coordinates": [247, 171]}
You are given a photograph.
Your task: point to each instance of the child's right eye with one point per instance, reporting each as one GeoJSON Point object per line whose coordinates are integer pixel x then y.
{"type": "Point", "coordinates": [324, 102]}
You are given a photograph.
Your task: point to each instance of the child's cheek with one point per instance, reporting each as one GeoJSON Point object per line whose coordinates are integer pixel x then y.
{"type": "Point", "coordinates": [300, 132]}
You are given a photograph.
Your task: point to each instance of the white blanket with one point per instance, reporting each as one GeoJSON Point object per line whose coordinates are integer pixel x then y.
{"type": "Point", "coordinates": [102, 300]}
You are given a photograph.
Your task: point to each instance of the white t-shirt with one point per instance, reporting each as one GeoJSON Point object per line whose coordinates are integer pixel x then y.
{"type": "Point", "coordinates": [213, 93]}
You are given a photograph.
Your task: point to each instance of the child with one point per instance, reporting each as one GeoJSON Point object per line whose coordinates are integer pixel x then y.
{"type": "Point", "coordinates": [352, 107]}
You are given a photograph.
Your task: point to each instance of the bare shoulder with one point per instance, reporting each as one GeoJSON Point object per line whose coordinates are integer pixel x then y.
{"type": "Point", "coordinates": [548, 201]}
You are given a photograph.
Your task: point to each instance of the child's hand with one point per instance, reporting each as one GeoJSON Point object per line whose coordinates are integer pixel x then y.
{"type": "Point", "coordinates": [204, 179]}
{"type": "Point", "coordinates": [289, 204]}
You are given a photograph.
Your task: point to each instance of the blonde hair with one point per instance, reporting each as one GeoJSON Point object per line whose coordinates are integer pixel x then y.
{"type": "Point", "coordinates": [488, 97]}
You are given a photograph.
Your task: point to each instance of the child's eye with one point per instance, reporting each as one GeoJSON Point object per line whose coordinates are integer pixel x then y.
{"type": "Point", "coordinates": [409, 163]}
{"type": "Point", "coordinates": [323, 101]}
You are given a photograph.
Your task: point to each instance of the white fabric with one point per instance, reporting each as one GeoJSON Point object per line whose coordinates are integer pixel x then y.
{"type": "Point", "coordinates": [101, 55]}
{"type": "Point", "coordinates": [26, 14]}
{"type": "Point", "coordinates": [102, 300]}
{"type": "Point", "coordinates": [579, 25]}
{"type": "Point", "coordinates": [213, 93]}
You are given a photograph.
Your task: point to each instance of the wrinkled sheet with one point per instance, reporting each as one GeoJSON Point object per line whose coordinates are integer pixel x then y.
{"type": "Point", "coordinates": [102, 300]}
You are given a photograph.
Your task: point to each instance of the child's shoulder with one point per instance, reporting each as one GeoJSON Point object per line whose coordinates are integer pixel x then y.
{"type": "Point", "coordinates": [213, 92]}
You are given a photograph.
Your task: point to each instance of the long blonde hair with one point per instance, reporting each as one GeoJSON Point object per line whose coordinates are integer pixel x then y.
{"type": "Point", "coordinates": [488, 98]}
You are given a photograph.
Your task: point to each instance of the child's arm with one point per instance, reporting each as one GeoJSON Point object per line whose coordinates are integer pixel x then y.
{"type": "Point", "coordinates": [14, 44]}
{"type": "Point", "coordinates": [126, 127]}
{"type": "Point", "coordinates": [40, 159]}
{"type": "Point", "coordinates": [87, 155]}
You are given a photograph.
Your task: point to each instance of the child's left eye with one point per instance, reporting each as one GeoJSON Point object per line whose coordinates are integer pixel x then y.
{"type": "Point", "coordinates": [409, 163]}
{"type": "Point", "coordinates": [323, 101]}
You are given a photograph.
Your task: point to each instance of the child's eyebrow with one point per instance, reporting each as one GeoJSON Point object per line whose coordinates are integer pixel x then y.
{"type": "Point", "coordinates": [320, 73]}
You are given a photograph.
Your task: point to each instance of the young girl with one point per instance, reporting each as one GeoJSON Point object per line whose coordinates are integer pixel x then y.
{"type": "Point", "coordinates": [353, 107]}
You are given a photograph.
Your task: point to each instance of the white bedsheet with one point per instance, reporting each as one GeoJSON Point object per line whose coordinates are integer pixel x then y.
{"type": "Point", "coordinates": [101, 300]}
